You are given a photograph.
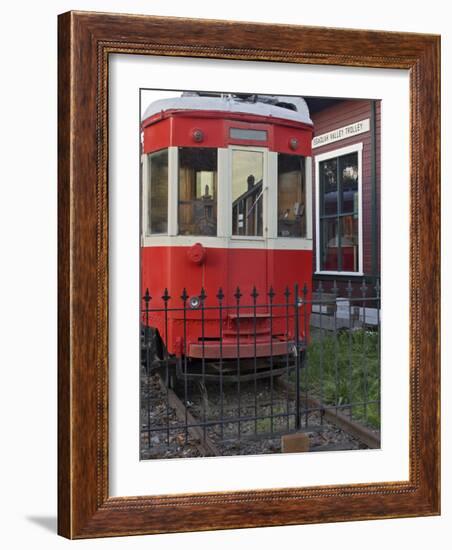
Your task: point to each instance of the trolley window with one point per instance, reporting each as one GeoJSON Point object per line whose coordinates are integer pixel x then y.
{"type": "Point", "coordinates": [247, 191]}
{"type": "Point", "coordinates": [291, 196]}
{"type": "Point", "coordinates": [157, 192]}
{"type": "Point", "coordinates": [197, 203]}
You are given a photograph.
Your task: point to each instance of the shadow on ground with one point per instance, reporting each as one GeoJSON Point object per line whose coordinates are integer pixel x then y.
{"type": "Point", "coordinates": [49, 523]}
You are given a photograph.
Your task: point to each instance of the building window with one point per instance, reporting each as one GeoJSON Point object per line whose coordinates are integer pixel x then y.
{"type": "Point", "coordinates": [247, 192]}
{"type": "Point", "coordinates": [157, 192]}
{"type": "Point", "coordinates": [338, 212]}
{"type": "Point", "coordinates": [291, 196]}
{"type": "Point", "coordinates": [197, 203]}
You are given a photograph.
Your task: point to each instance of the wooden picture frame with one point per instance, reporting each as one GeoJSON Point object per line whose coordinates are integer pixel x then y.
{"type": "Point", "coordinates": [86, 40]}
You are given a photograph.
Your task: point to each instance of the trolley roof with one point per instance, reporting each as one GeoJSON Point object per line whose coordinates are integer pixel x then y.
{"type": "Point", "coordinates": [282, 107]}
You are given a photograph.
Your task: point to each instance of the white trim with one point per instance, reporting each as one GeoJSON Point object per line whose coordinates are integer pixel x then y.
{"type": "Point", "coordinates": [144, 196]}
{"type": "Point", "coordinates": [339, 152]}
{"type": "Point", "coordinates": [308, 196]}
{"type": "Point", "coordinates": [224, 197]}
{"type": "Point", "coordinates": [348, 273]}
{"type": "Point", "coordinates": [173, 189]}
{"type": "Point", "coordinates": [272, 196]}
{"type": "Point", "coordinates": [264, 151]}
{"type": "Point", "coordinates": [223, 193]}
{"type": "Point", "coordinates": [278, 243]}
{"type": "Point", "coordinates": [355, 148]}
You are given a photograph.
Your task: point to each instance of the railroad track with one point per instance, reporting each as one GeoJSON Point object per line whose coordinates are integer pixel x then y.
{"type": "Point", "coordinates": [199, 436]}
{"type": "Point", "coordinates": [328, 429]}
{"type": "Point", "coordinates": [367, 436]}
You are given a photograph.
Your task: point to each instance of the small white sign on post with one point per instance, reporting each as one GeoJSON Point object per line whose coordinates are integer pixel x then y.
{"type": "Point", "coordinates": [341, 133]}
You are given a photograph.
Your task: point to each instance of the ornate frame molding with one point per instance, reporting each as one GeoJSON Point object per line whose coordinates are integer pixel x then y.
{"type": "Point", "coordinates": [85, 42]}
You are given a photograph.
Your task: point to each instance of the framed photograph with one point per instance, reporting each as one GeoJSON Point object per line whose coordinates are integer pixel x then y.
{"type": "Point", "coordinates": [248, 275]}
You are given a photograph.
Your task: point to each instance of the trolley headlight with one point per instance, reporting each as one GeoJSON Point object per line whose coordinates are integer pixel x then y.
{"type": "Point", "coordinates": [194, 302]}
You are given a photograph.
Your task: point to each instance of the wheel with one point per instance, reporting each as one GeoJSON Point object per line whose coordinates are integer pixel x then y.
{"type": "Point", "coordinates": [150, 346]}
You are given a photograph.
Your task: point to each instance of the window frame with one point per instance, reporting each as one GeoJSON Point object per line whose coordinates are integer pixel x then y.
{"type": "Point", "coordinates": [342, 151]}
{"type": "Point", "coordinates": [146, 213]}
{"type": "Point", "coordinates": [176, 159]}
{"type": "Point", "coordinates": [264, 151]}
{"type": "Point", "coordinates": [307, 175]}
{"type": "Point", "coordinates": [224, 197]}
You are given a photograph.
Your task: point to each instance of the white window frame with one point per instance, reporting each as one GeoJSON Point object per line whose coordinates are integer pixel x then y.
{"type": "Point", "coordinates": [173, 178]}
{"type": "Point", "coordinates": [291, 243]}
{"type": "Point", "coordinates": [265, 220]}
{"type": "Point", "coordinates": [355, 148]}
{"type": "Point", "coordinates": [145, 175]}
{"type": "Point", "coordinates": [224, 237]}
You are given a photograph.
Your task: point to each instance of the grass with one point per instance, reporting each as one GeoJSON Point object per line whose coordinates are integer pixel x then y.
{"type": "Point", "coordinates": [344, 369]}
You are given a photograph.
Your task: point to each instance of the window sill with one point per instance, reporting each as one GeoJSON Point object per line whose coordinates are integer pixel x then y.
{"type": "Point", "coordinates": [341, 273]}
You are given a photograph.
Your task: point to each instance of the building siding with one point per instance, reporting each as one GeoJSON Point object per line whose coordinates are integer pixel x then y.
{"type": "Point", "coordinates": [336, 116]}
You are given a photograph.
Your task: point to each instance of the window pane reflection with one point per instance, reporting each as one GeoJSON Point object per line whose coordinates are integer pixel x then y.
{"type": "Point", "coordinates": [338, 212]}
{"type": "Point", "coordinates": [247, 191]}
{"type": "Point", "coordinates": [291, 196]}
{"type": "Point", "coordinates": [329, 248]}
{"type": "Point", "coordinates": [328, 186]}
{"type": "Point", "coordinates": [197, 201]}
{"type": "Point", "coordinates": [348, 170]}
{"type": "Point", "coordinates": [349, 243]}
{"type": "Point", "coordinates": [157, 192]}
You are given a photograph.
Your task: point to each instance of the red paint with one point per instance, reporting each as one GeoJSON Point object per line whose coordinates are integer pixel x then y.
{"type": "Point", "coordinates": [228, 350]}
{"type": "Point", "coordinates": [197, 253]}
{"type": "Point", "coordinates": [170, 267]}
{"type": "Point", "coordinates": [261, 329]}
{"type": "Point", "coordinates": [175, 129]}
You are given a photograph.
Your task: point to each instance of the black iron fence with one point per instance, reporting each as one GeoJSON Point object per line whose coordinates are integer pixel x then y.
{"type": "Point", "coordinates": [234, 372]}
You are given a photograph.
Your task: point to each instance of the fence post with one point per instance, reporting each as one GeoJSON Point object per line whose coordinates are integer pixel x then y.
{"type": "Point", "coordinates": [297, 359]}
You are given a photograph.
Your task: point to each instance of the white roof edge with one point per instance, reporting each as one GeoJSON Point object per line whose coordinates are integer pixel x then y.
{"type": "Point", "coordinates": [229, 103]}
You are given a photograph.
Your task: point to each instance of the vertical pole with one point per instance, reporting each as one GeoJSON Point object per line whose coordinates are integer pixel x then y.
{"type": "Point", "coordinates": [202, 298]}
{"type": "Point", "coordinates": [238, 295]}
{"type": "Point", "coordinates": [271, 295]}
{"type": "Point", "coordinates": [220, 297]}
{"type": "Point", "coordinates": [373, 180]}
{"type": "Point", "coordinates": [297, 359]}
{"type": "Point", "coordinates": [335, 291]}
{"type": "Point", "coordinates": [147, 299]}
{"type": "Point", "coordinates": [305, 363]}
{"type": "Point", "coordinates": [350, 370]}
{"type": "Point", "coordinates": [184, 298]}
{"type": "Point", "coordinates": [166, 297]}
{"type": "Point", "coordinates": [287, 296]}
{"type": "Point", "coordinates": [364, 345]}
{"type": "Point", "coordinates": [254, 295]}
{"type": "Point", "coordinates": [322, 343]}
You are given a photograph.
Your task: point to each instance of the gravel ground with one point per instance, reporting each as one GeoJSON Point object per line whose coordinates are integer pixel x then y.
{"type": "Point", "coordinates": [169, 439]}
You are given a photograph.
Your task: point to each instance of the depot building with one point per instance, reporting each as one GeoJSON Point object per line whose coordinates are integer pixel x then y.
{"type": "Point", "coordinates": [345, 190]}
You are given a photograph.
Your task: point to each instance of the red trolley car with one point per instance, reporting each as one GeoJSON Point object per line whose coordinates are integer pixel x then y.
{"type": "Point", "coordinates": [226, 225]}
